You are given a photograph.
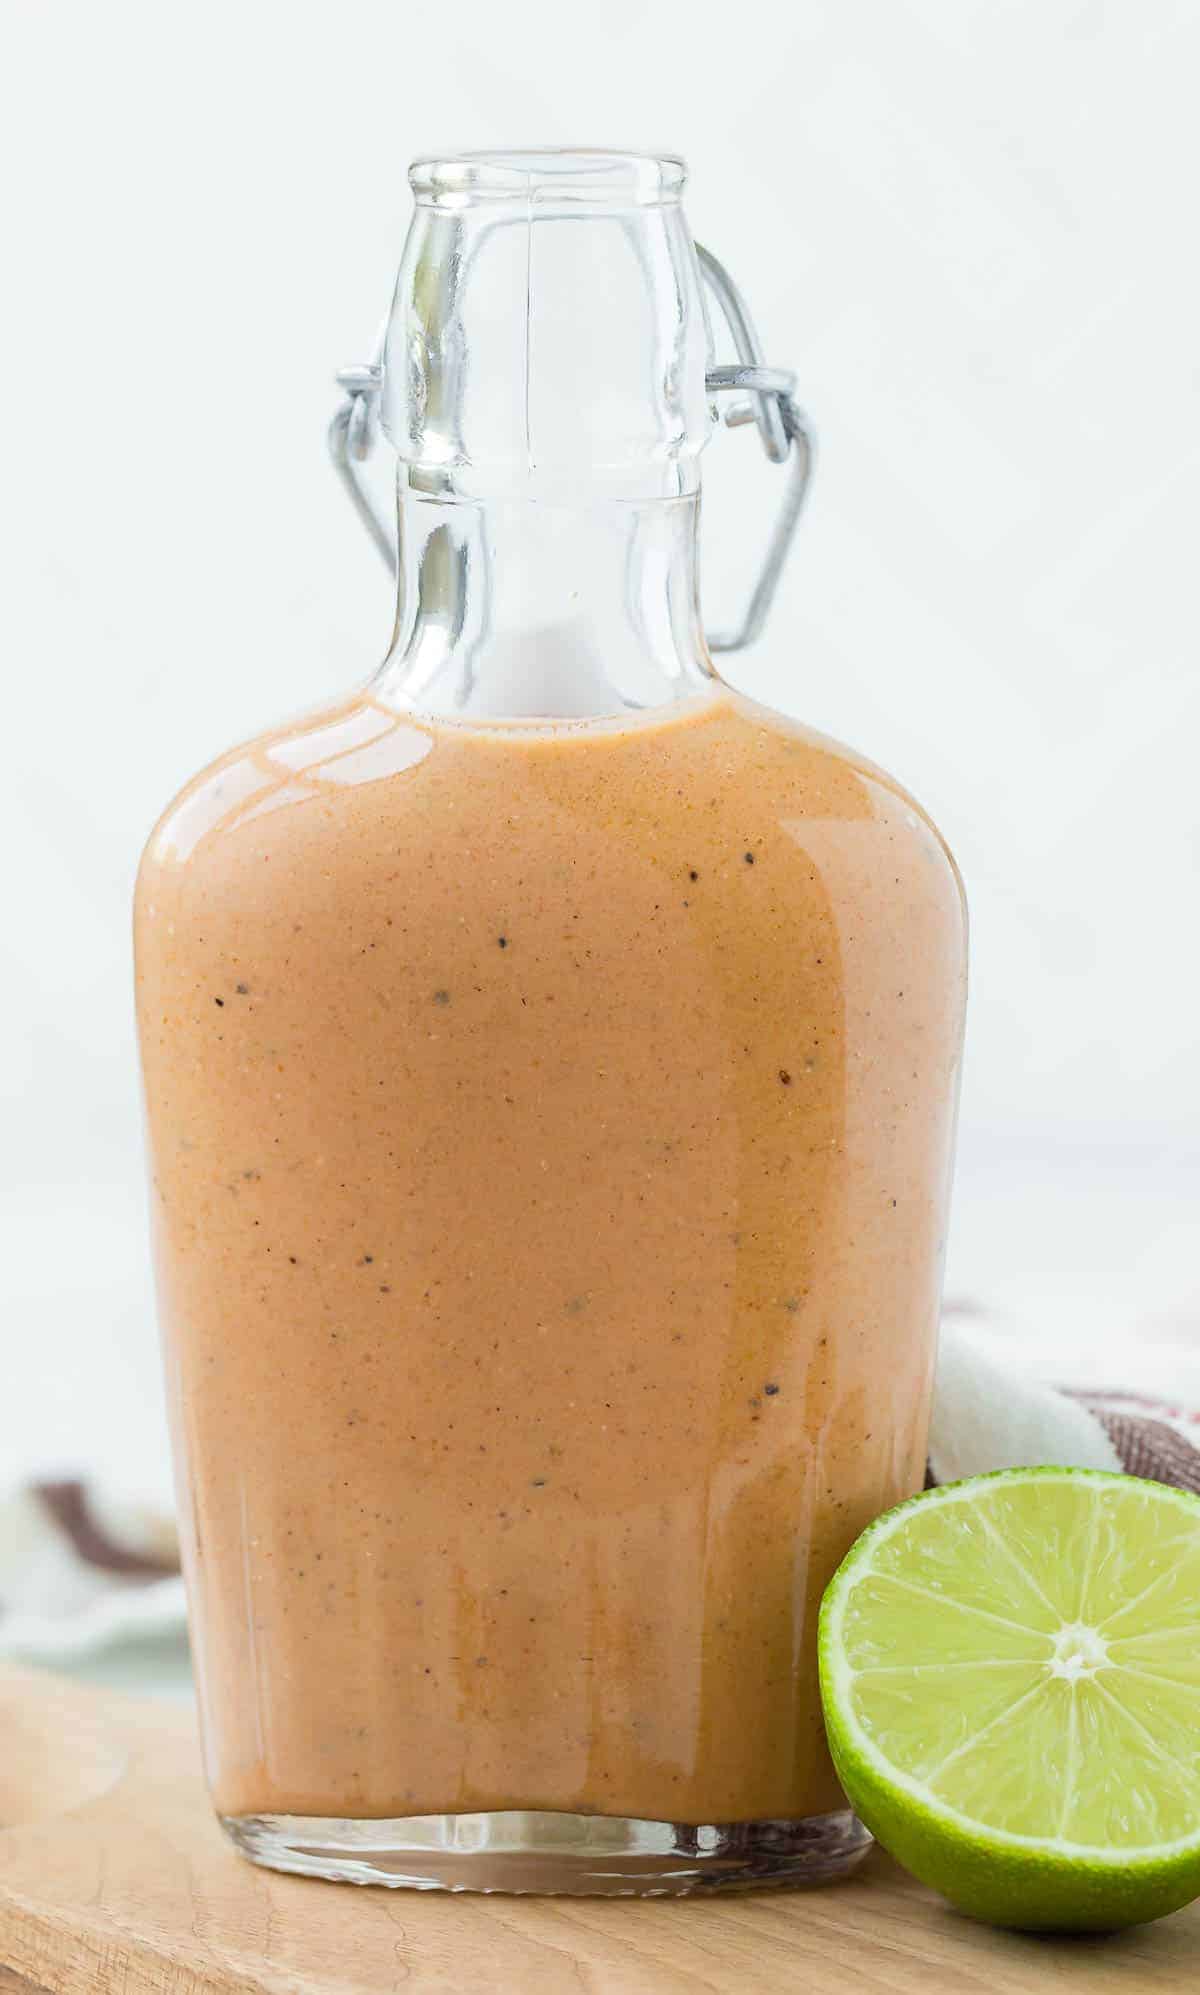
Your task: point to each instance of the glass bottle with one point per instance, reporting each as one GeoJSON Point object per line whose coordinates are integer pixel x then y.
{"type": "Point", "coordinates": [551, 1060]}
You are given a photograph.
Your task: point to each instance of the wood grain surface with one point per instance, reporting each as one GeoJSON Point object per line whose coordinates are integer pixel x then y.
{"type": "Point", "coordinates": [114, 1880]}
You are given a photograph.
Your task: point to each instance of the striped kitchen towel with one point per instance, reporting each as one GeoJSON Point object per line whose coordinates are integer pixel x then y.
{"type": "Point", "coordinates": [992, 1410]}
{"type": "Point", "coordinates": [82, 1569]}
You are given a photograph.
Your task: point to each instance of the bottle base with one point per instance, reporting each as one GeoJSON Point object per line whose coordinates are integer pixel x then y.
{"type": "Point", "coordinates": [547, 1852]}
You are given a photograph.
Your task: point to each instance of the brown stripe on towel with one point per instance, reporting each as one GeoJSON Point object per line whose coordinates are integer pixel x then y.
{"type": "Point", "coordinates": [1145, 1447]}
{"type": "Point", "coordinates": [68, 1505]}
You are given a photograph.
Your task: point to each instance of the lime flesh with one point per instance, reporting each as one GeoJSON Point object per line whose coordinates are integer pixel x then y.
{"type": "Point", "coordinates": [1010, 1669]}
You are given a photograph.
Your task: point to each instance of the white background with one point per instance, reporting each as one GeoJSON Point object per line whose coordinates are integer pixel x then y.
{"type": "Point", "coordinates": [968, 224]}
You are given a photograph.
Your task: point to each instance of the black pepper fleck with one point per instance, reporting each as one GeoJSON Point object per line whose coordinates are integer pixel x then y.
{"type": "Point", "coordinates": [749, 858]}
{"type": "Point", "coordinates": [785, 1077]}
{"type": "Point", "coordinates": [503, 941]}
{"type": "Point", "coordinates": [219, 1001]}
{"type": "Point", "coordinates": [693, 874]}
{"type": "Point", "coordinates": [770, 1390]}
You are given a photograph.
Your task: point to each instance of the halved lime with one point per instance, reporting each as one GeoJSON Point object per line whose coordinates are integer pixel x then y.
{"type": "Point", "coordinates": [1010, 1670]}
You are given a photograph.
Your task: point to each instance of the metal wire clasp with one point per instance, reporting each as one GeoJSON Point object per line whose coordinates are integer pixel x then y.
{"type": "Point", "coordinates": [786, 435]}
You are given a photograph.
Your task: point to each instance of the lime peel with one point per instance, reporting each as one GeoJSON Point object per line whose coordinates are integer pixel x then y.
{"type": "Point", "coordinates": [1039, 1716]}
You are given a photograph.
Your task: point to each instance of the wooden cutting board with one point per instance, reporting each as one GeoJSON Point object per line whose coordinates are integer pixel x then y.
{"type": "Point", "coordinates": [114, 1880]}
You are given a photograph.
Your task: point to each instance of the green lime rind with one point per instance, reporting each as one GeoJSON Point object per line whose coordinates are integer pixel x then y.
{"type": "Point", "coordinates": [1029, 1882]}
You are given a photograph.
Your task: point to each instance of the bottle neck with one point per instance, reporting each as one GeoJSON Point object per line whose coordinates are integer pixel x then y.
{"type": "Point", "coordinates": [544, 385]}
{"type": "Point", "coordinates": [520, 609]}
